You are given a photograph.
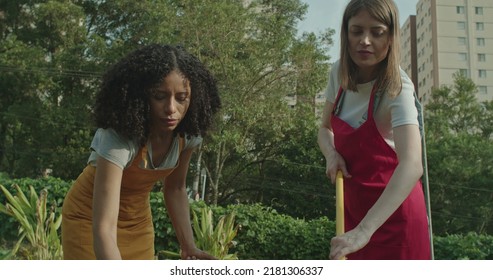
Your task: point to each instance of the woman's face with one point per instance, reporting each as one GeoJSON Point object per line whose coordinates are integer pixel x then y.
{"type": "Point", "coordinates": [169, 103]}
{"type": "Point", "coordinates": [369, 43]}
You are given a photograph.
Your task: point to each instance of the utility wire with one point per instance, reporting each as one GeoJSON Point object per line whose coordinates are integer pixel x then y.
{"type": "Point", "coordinates": [51, 71]}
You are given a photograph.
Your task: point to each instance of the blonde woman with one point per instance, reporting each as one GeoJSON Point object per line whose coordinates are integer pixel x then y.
{"type": "Point", "coordinates": [370, 131]}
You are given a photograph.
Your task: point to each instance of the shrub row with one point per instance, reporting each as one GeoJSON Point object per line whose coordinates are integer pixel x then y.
{"type": "Point", "coordinates": [263, 233]}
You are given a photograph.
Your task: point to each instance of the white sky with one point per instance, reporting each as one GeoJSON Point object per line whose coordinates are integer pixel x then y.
{"type": "Point", "coordinates": [323, 14]}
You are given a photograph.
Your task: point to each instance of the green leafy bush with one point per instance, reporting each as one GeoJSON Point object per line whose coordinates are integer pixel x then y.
{"type": "Point", "coordinates": [266, 234]}
{"type": "Point", "coordinates": [471, 246]}
{"type": "Point", "coordinates": [262, 232]}
{"type": "Point", "coordinates": [164, 234]}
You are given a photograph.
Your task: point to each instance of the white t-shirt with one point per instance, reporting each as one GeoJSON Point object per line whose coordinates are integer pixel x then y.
{"type": "Point", "coordinates": [390, 113]}
{"type": "Point", "coordinates": [120, 151]}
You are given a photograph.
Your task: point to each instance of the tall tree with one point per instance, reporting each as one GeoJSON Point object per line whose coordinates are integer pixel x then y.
{"type": "Point", "coordinates": [251, 46]}
{"type": "Point", "coordinates": [45, 42]}
{"type": "Point", "coordinates": [460, 158]}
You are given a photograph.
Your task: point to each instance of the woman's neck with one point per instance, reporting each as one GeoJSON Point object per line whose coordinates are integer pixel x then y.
{"type": "Point", "coordinates": [367, 75]}
{"type": "Point", "coordinates": [160, 137]}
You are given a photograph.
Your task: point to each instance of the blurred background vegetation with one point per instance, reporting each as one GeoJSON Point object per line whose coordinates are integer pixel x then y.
{"type": "Point", "coordinates": [262, 150]}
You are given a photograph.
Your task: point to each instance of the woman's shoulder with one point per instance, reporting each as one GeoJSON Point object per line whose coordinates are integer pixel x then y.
{"type": "Point", "coordinates": [109, 139]}
{"type": "Point", "coordinates": [406, 94]}
{"type": "Point", "coordinates": [113, 147]}
{"type": "Point", "coordinates": [192, 141]}
{"type": "Point", "coordinates": [334, 67]}
{"type": "Point", "coordinates": [407, 83]}
{"type": "Point", "coordinates": [110, 135]}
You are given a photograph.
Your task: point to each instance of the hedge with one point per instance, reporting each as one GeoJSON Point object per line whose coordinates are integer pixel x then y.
{"type": "Point", "coordinates": [263, 232]}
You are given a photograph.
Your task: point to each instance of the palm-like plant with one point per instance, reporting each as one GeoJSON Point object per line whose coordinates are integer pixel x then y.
{"type": "Point", "coordinates": [217, 240]}
{"type": "Point", "coordinates": [36, 224]}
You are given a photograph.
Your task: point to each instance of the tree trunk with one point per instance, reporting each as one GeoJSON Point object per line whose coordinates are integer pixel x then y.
{"type": "Point", "coordinates": [196, 179]}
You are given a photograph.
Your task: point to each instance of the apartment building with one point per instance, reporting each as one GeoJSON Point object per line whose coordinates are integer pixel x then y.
{"type": "Point", "coordinates": [446, 37]}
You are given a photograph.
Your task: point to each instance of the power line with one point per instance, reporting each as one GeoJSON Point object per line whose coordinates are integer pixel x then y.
{"type": "Point", "coordinates": [75, 125]}
{"type": "Point", "coordinates": [447, 185]}
{"type": "Point", "coordinates": [436, 213]}
{"type": "Point", "coordinates": [52, 71]}
{"type": "Point", "coordinates": [254, 181]}
{"type": "Point", "coordinates": [462, 187]}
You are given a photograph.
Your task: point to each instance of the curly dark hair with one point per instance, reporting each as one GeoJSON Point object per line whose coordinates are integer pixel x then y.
{"type": "Point", "coordinates": [123, 100]}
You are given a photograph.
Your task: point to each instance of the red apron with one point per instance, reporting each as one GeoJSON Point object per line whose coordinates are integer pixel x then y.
{"type": "Point", "coordinates": [371, 162]}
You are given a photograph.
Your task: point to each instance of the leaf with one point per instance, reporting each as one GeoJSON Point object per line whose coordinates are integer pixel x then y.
{"type": "Point", "coordinates": [11, 199]}
{"type": "Point", "coordinates": [22, 199]}
{"type": "Point", "coordinates": [169, 254]}
{"type": "Point", "coordinates": [36, 225]}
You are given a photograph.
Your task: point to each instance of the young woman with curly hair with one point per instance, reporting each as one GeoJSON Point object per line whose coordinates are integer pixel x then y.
{"type": "Point", "coordinates": [152, 110]}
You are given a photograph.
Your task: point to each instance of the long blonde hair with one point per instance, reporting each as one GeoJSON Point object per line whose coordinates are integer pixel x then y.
{"type": "Point", "coordinates": [388, 78]}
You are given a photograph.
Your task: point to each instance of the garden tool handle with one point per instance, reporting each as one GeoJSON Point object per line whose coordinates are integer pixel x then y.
{"type": "Point", "coordinates": [339, 203]}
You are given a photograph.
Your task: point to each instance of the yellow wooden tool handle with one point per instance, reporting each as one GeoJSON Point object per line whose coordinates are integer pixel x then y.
{"type": "Point", "coordinates": [339, 203]}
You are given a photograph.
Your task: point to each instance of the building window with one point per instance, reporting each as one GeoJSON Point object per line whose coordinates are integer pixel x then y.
{"type": "Point", "coordinates": [462, 56]}
{"type": "Point", "coordinates": [483, 90]}
{"type": "Point", "coordinates": [461, 25]}
{"type": "Point", "coordinates": [462, 41]}
{"type": "Point", "coordinates": [479, 26]}
{"type": "Point", "coordinates": [479, 10]}
{"type": "Point", "coordinates": [481, 57]}
{"type": "Point", "coordinates": [482, 73]}
{"type": "Point", "coordinates": [460, 9]}
{"type": "Point", "coordinates": [464, 73]}
{"type": "Point", "coordinates": [480, 41]}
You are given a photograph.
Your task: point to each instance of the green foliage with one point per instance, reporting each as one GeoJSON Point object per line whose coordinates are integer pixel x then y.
{"type": "Point", "coordinates": [216, 240]}
{"type": "Point", "coordinates": [38, 224]}
{"type": "Point", "coordinates": [262, 232]}
{"type": "Point", "coordinates": [56, 187]}
{"type": "Point", "coordinates": [460, 159]}
{"type": "Point", "coordinates": [56, 190]}
{"type": "Point", "coordinates": [266, 234]}
{"type": "Point", "coordinates": [46, 79]}
{"type": "Point", "coordinates": [295, 183]}
{"type": "Point", "coordinates": [165, 238]}
{"type": "Point", "coordinates": [454, 109]}
{"type": "Point", "coordinates": [52, 55]}
{"type": "Point", "coordinates": [470, 246]}
{"type": "Point", "coordinates": [460, 169]}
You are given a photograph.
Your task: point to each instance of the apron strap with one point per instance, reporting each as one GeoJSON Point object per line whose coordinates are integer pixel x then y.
{"type": "Point", "coordinates": [143, 155]}
{"type": "Point", "coordinates": [375, 98]}
{"type": "Point", "coordinates": [338, 102]}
